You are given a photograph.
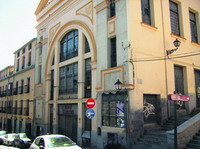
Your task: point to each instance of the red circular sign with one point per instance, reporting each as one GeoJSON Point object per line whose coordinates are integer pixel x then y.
{"type": "Point", "coordinates": [90, 103]}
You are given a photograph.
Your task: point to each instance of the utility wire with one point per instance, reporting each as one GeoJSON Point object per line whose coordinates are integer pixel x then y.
{"type": "Point", "coordinates": [159, 59]}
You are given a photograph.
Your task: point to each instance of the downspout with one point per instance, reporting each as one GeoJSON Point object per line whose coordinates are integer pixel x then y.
{"type": "Point", "coordinates": [165, 61]}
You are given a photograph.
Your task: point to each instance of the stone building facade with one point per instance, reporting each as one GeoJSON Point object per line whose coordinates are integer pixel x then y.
{"type": "Point", "coordinates": [86, 47]}
{"type": "Point", "coordinates": [17, 91]}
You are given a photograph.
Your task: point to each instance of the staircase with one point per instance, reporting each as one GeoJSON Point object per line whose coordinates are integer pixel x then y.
{"type": "Point", "coordinates": [152, 140]}
{"type": "Point", "coordinates": [157, 138]}
{"type": "Point", "coordinates": [194, 143]}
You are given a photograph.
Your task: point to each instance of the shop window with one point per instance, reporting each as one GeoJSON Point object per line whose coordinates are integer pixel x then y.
{"type": "Point", "coordinates": [113, 109]}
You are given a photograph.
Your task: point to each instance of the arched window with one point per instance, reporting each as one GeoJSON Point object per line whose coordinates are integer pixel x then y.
{"type": "Point", "coordinates": [69, 46]}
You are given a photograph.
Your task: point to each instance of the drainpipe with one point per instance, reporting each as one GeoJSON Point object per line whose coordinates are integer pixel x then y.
{"type": "Point", "coordinates": [165, 61]}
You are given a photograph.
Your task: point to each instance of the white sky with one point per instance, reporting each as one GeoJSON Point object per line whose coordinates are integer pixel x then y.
{"type": "Point", "coordinates": [17, 27]}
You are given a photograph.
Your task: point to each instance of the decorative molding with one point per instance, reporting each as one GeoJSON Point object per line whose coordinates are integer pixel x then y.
{"type": "Point", "coordinates": [101, 6]}
{"type": "Point", "coordinates": [110, 70]}
{"type": "Point", "coordinates": [149, 26]}
{"type": "Point", "coordinates": [53, 30]}
{"type": "Point", "coordinates": [111, 27]}
{"type": "Point", "coordinates": [194, 43]}
{"type": "Point", "coordinates": [177, 36]}
{"type": "Point", "coordinates": [86, 10]}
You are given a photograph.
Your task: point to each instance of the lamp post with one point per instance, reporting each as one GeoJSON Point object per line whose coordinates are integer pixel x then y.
{"type": "Point", "coordinates": [118, 85]}
{"type": "Point", "coordinates": [176, 44]}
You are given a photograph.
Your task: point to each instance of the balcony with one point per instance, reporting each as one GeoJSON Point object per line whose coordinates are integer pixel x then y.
{"type": "Point", "coordinates": [26, 89]}
{"type": "Point", "coordinates": [9, 92]}
{"type": "Point", "coordinates": [26, 111]}
{"type": "Point", "coordinates": [20, 90]}
{"type": "Point", "coordinates": [14, 110]}
{"type": "Point", "coordinates": [19, 111]}
{"type": "Point", "coordinates": [15, 91]}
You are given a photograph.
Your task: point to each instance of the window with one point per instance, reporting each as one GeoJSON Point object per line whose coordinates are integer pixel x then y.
{"type": "Point", "coordinates": [40, 74]}
{"type": "Point", "coordinates": [174, 17]}
{"type": "Point", "coordinates": [87, 47]}
{"type": "Point", "coordinates": [30, 46]}
{"type": "Point", "coordinates": [68, 81]}
{"type": "Point", "coordinates": [29, 59]}
{"type": "Point", "coordinates": [193, 27]}
{"type": "Point", "coordinates": [23, 62]}
{"type": "Point", "coordinates": [179, 80]}
{"type": "Point", "coordinates": [22, 86]}
{"type": "Point", "coordinates": [88, 78]}
{"type": "Point", "coordinates": [146, 11]}
{"type": "Point", "coordinates": [18, 65]}
{"type": "Point", "coordinates": [69, 46]}
{"type": "Point", "coordinates": [52, 85]}
{"type": "Point", "coordinates": [28, 85]}
{"type": "Point", "coordinates": [16, 87]}
{"type": "Point", "coordinates": [113, 109]}
{"type": "Point", "coordinates": [23, 51]}
{"type": "Point", "coordinates": [113, 52]}
{"type": "Point", "coordinates": [18, 54]}
{"type": "Point", "coordinates": [112, 8]}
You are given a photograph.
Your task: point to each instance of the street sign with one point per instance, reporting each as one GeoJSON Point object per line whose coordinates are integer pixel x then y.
{"type": "Point", "coordinates": [90, 103]}
{"type": "Point", "coordinates": [177, 97]}
{"type": "Point", "coordinates": [90, 113]}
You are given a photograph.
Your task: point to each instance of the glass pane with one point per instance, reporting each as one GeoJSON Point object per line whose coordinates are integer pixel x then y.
{"type": "Point", "coordinates": [120, 122]}
{"type": "Point", "coordinates": [105, 121]}
{"type": "Point", "coordinates": [113, 121]}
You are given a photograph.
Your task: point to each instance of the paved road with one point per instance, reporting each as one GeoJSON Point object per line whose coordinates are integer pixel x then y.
{"type": "Point", "coordinates": [7, 147]}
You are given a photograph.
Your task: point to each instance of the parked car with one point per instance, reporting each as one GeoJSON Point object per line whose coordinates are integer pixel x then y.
{"type": "Point", "coordinates": [22, 141]}
{"type": "Point", "coordinates": [53, 141]}
{"type": "Point", "coordinates": [9, 138]}
{"type": "Point", "coordinates": [2, 135]}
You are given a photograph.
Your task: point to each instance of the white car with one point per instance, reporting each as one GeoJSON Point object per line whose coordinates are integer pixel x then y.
{"type": "Point", "coordinates": [53, 142]}
{"type": "Point", "coordinates": [9, 138]}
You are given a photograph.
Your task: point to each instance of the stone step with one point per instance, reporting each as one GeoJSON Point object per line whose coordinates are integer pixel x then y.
{"type": "Point", "coordinates": [193, 145]}
{"type": "Point", "coordinates": [195, 141]}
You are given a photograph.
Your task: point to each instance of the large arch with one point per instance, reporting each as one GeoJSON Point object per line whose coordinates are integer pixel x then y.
{"type": "Point", "coordinates": [58, 36]}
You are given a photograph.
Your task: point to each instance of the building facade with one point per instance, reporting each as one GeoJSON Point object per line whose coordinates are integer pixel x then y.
{"type": "Point", "coordinates": [86, 48]}
{"type": "Point", "coordinates": [18, 91]}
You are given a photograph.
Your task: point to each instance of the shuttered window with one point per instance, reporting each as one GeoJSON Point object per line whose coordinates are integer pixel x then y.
{"type": "Point", "coordinates": [193, 27]}
{"type": "Point", "coordinates": [174, 17]}
{"type": "Point", "coordinates": [146, 11]}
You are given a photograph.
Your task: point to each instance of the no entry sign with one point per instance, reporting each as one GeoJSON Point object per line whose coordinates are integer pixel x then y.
{"type": "Point", "coordinates": [90, 103]}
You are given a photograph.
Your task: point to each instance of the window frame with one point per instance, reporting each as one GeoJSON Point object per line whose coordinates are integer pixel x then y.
{"type": "Point", "coordinates": [146, 18]}
{"type": "Point", "coordinates": [194, 35]}
{"type": "Point", "coordinates": [65, 52]}
{"type": "Point", "coordinates": [177, 30]}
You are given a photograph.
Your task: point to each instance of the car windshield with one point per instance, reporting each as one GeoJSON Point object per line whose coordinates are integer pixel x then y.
{"type": "Point", "coordinates": [12, 136]}
{"type": "Point", "coordinates": [59, 141]}
{"type": "Point", "coordinates": [23, 135]}
{"type": "Point", "coordinates": [2, 133]}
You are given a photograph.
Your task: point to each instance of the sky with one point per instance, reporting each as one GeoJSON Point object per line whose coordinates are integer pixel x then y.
{"type": "Point", "coordinates": [17, 27]}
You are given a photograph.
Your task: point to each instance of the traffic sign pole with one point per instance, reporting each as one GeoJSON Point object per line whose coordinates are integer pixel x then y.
{"type": "Point", "coordinates": [175, 125]}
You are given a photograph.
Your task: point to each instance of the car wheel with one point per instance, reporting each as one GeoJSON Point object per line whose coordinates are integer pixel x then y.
{"type": "Point", "coordinates": [14, 144]}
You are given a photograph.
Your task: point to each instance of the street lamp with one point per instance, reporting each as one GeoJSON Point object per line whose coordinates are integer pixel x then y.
{"type": "Point", "coordinates": [176, 44]}
{"type": "Point", "coordinates": [118, 85]}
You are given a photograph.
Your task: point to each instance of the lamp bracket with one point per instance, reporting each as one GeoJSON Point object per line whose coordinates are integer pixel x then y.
{"type": "Point", "coordinates": [168, 52]}
{"type": "Point", "coordinates": [125, 47]}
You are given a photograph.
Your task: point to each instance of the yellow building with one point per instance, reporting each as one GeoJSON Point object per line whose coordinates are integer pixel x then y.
{"type": "Point", "coordinates": [17, 84]}
{"type": "Point", "coordinates": [87, 48]}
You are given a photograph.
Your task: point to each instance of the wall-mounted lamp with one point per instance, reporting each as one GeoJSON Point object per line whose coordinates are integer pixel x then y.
{"type": "Point", "coordinates": [118, 85]}
{"type": "Point", "coordinates": [176, 44]}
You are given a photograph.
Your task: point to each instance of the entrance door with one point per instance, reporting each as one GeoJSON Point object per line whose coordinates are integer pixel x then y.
{"type": "Point", "coordinates": [152, 108]}
{"type": "Point", "coordinates": [197, 86]}
{"type": "Point", "coordinates": [9, 125]}
{"type": "Point", "coordinates": [67, 120]}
